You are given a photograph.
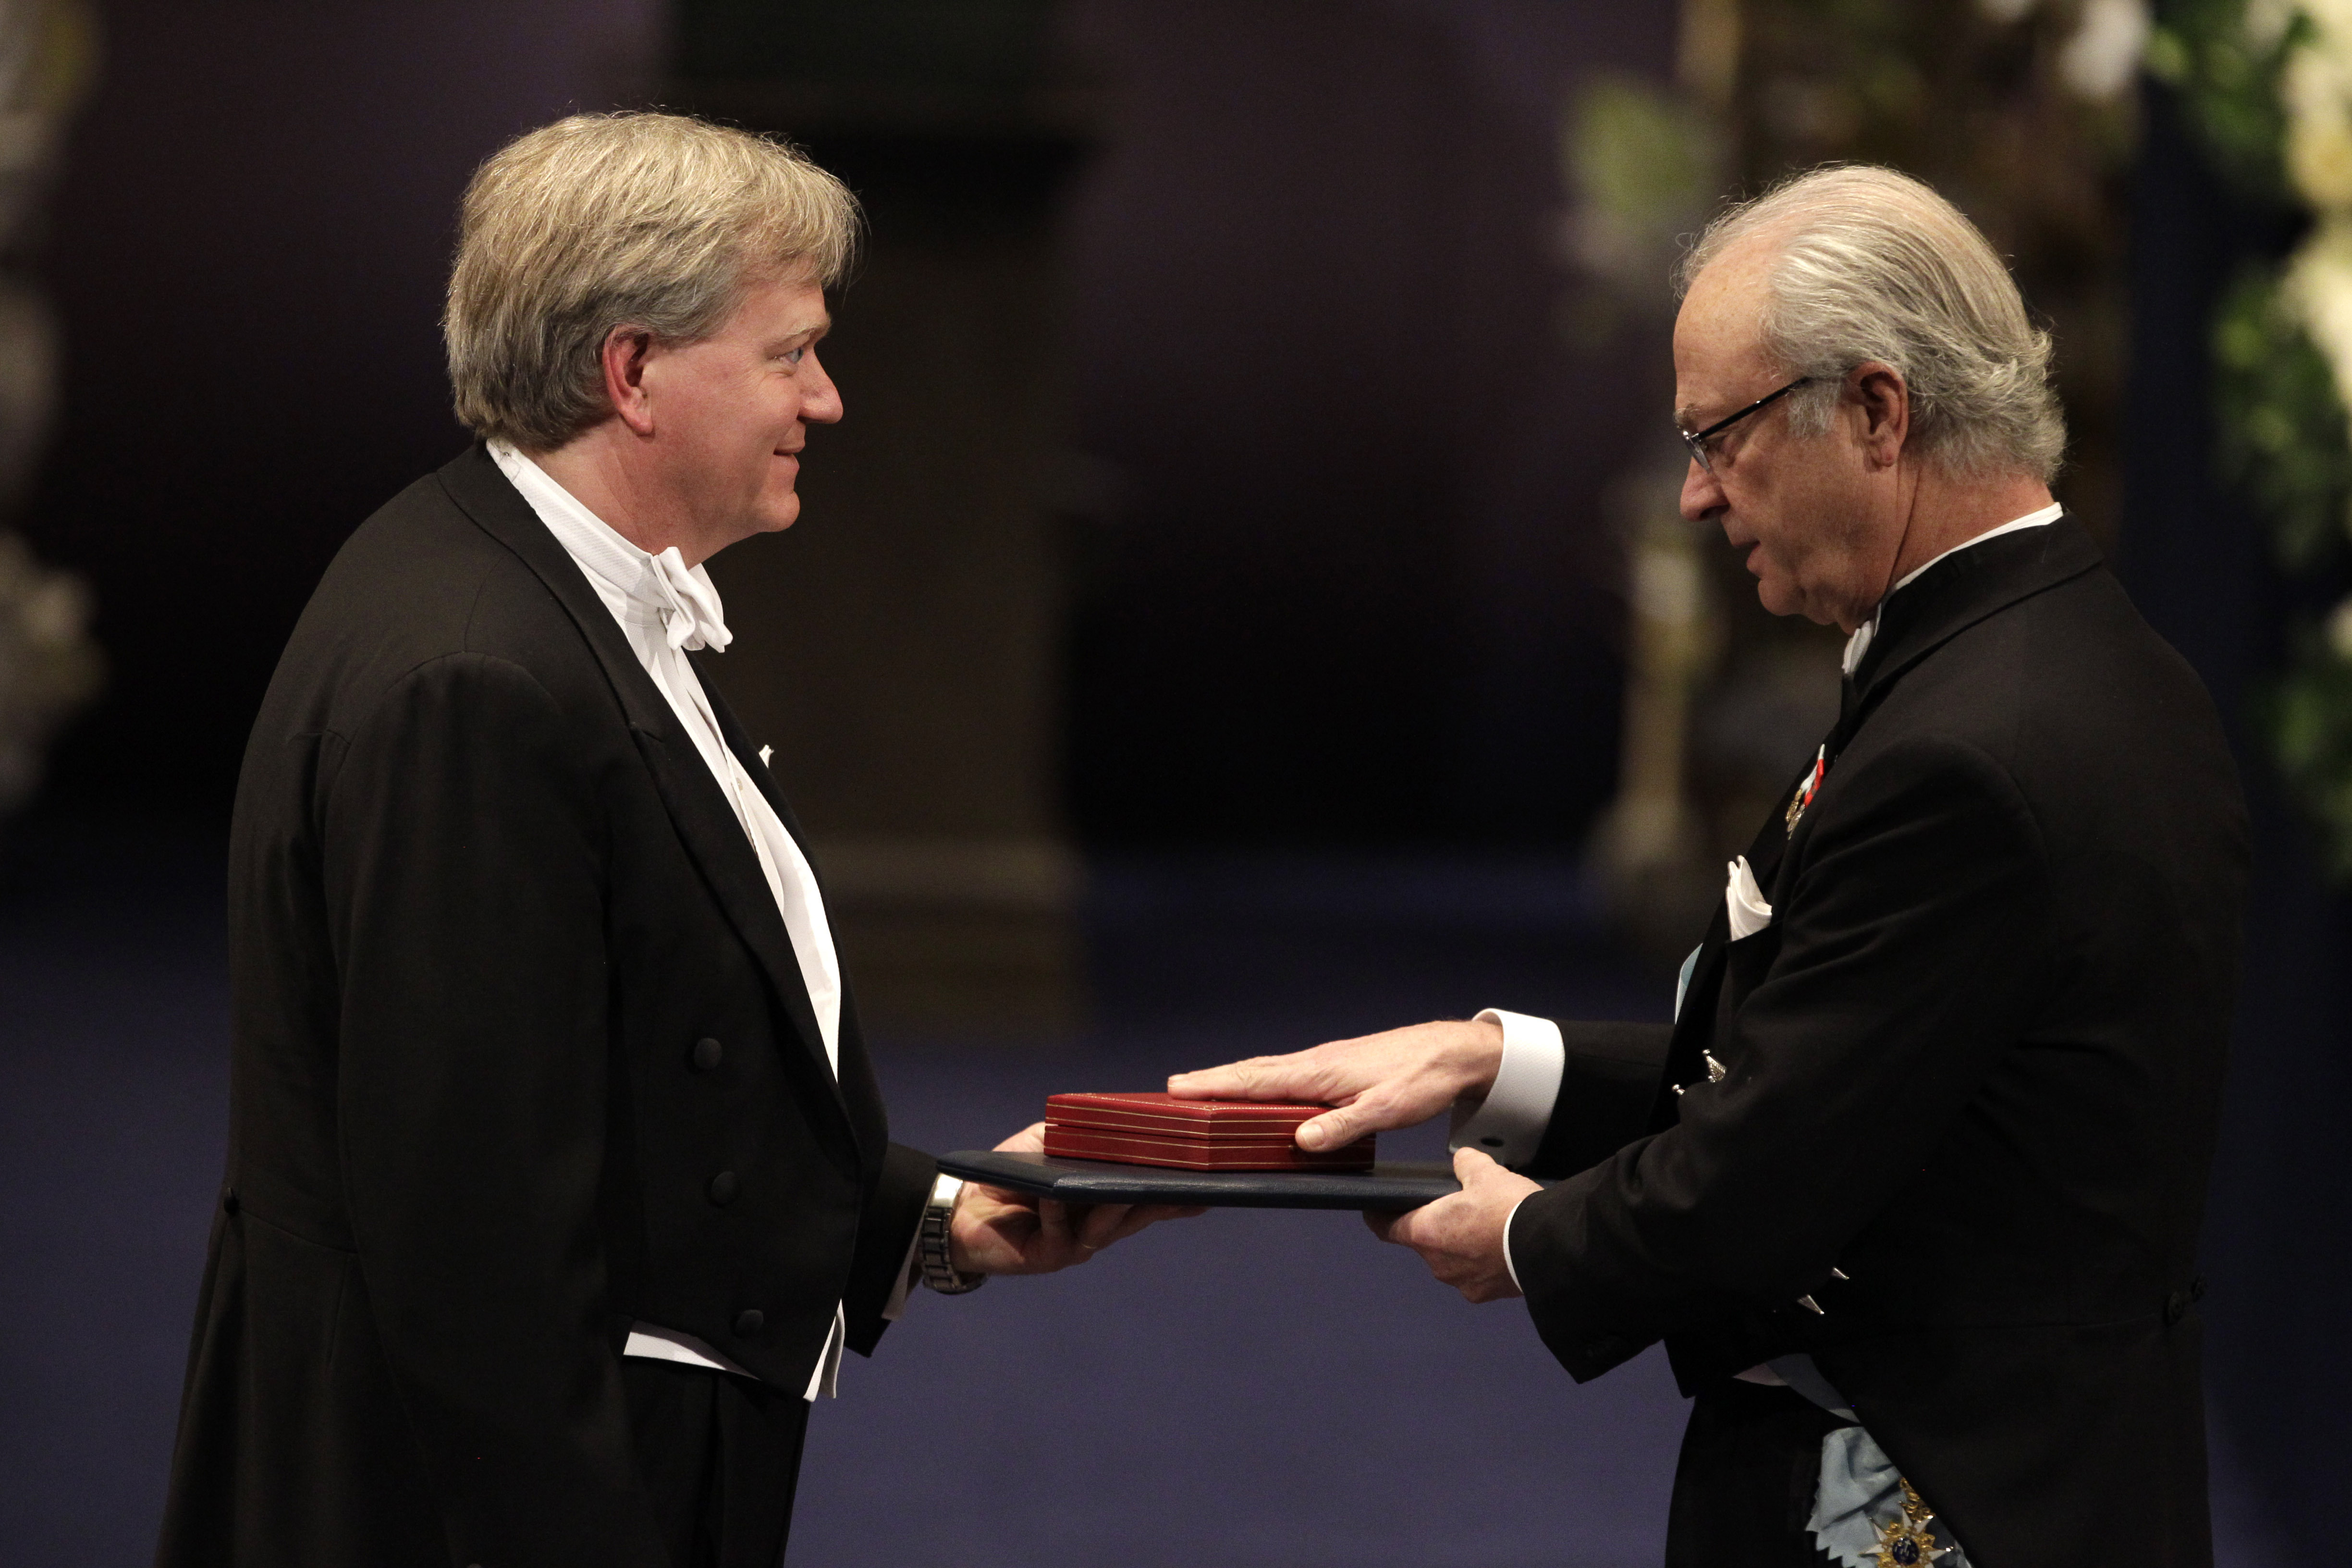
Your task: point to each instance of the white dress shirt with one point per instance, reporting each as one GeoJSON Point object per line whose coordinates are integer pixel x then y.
{"type": "Point", "coordinates": [666, 608]}
{"type": "Point", "coordinates": [1510, 1122]}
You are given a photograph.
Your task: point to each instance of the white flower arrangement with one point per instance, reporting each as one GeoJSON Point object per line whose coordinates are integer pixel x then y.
{"type": "Point", "coordinates": [2315, 94]}
{"type": "Point", "coordinates": [2269, 84]}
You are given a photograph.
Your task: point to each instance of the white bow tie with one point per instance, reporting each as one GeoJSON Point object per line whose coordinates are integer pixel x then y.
{"type": "Point", "coordinates": [688, 602]}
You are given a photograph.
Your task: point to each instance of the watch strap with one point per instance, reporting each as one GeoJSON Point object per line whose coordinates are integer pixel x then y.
{"type": "Point", "coordinates": [932, 1253]}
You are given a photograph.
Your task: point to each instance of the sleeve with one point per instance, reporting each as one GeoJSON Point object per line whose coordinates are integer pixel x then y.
{"type": "Point", "coordinates": [1907, 959]}
{"type": "Point", "coordinates": [464, 876]}
{"type": "Point", "coordinates": [1609, 1076]}
{"type": "Point", "coordinates": [1566, 1096]}
{"type": "Point", "coordinates": [945, 1190]}
{"type": "Point", "coordinates": [885, 1236]}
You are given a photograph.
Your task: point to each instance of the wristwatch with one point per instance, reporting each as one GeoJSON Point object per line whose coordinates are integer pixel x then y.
{"type": "Point", "coordinates": [931, 1250]}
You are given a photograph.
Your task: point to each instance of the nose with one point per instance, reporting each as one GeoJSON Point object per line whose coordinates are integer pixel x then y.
{"type": "Point", "coordinates": [821, 399]}
{"type": "Point", "coordinates": [1702, 495]}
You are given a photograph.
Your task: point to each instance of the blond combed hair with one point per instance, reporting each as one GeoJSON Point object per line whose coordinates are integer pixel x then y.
{"type": "Point", "coordinates": [655, 222]}
{"type": "Point", "coordinates": [1868, 264]}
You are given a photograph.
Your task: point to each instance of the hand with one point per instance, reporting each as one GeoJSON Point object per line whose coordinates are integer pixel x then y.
{"type": "Point", "coordinates": [1396, 1079]}
{"type": "Point", "coordinates": [994, 1231]}
{"type": "Point", "coordinates": [1460, 1236]}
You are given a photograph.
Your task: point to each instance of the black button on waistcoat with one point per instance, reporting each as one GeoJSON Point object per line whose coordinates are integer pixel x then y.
{"type": "Point", "coordinates": [749, 1322]}
{"type": "Point", "coordinates": [2176, 1306]}
{"type": "Point", "coordinates": [228, 1201]}
{"type": "Point", "coordinates": [707, 1054]}
{"type": "Point", "coordinates": [722, 1188]}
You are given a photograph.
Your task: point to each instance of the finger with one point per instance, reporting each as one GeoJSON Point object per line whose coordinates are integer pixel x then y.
{"type": "Point", "coordinates": [1415, 1227]}
{"type": "Point", "coordinates": [1133, 1222]}
{"type": "Point", "coordinates": [1053, 1223]}
{"type": "Point", "coordinates": [1298, 1076]}
{"type": "Point", "coordinates": [1233, 1080]}
{"type": "Point", "coordinates": [1030, 1140]}
{"type": "Point", "coordinates": [1099, 1228]}
{"type": "Point", "coordinates": [1142, 1216]}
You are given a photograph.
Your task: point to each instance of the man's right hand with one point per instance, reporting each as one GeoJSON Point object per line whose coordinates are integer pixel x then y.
{"type": "Point", "coordinates": [1395, 1079]}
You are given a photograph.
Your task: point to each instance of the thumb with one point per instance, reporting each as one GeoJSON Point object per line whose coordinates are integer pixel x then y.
{"type": "Point", "coordinates": [1333, 1129]}
{"type": "Point", "coordinates": [1473, 1165]}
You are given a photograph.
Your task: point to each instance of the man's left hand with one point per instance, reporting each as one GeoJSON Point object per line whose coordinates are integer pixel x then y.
{"type": "Point", "coordinates": [1460, 1236]}
{"type": "Point", "coordinates": [995, 1231]}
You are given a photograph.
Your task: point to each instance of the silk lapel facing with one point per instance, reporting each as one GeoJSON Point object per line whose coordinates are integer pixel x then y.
{"type": "Point", "coordinates": [714, 837]}
{"type": "Point", "coordinates": [855, 1070]}
{"type": "Point", "coordinates": [704, 822]}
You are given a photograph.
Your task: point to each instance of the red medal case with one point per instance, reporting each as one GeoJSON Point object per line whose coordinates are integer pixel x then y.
{"type": "Point", "coordinates": [1158, 1129]}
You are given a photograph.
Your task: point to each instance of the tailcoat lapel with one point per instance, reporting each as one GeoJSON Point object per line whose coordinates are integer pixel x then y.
{"type": "Point", "coordinates": [706, 822]}
{"type": "Point", "coordinates": [853, 1075]}
{"type": "Point", "coordinates": [1694, 1027]}
{"type": "Point", "coordinates": [1957, 594]}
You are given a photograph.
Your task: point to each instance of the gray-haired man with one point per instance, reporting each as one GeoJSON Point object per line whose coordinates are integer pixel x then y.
{"type": "Point", "coordinates": [1911, 1188]}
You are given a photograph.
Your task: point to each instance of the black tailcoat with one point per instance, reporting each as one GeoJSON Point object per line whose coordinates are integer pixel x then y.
{"type": "Point", "coordinates": [486, 907]}
{"type": "Point", "coordinates": [1974, 1063]}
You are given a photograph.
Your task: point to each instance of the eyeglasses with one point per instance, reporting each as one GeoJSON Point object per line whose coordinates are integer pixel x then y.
{"type": "Point", "coordinates": [1697, 440]}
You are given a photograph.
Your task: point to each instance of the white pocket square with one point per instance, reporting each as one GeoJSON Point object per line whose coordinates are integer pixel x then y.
{"type": "Point", "coordinates": [1744, 901]}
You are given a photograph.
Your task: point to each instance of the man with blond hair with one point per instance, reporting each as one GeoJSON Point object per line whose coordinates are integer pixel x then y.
{"type": "Point", "coordinates": [1911, 1188]}
{"type": "Point", "coordinates": [557, 1178]}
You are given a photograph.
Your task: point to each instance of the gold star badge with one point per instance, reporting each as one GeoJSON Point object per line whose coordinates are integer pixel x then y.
{"type": "Point", "coordinates": [1908, 1542]}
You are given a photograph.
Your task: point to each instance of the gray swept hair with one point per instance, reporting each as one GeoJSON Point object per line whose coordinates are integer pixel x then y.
{"type": "Point", "coordinates": [653, 221]}
{"type": "Point", "coordinates": [1868, 264]}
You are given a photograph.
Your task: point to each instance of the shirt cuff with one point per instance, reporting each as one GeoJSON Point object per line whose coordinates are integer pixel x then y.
{"type": "Point", "coordinates": [1509, 1267]}
{"type": "Point", "coordinates": [945, 1190]}
{"type": "Point", "coordinates": [1509, 1124]}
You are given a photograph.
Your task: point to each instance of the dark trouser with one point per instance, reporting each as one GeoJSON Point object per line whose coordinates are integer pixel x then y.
{"type": "Point", "coordinates": [720, 1456]}
{"type": "Point", "coordinates": [1751, 1460]}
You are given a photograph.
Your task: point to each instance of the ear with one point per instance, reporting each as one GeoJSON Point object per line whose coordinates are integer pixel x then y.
{"type": "Point", "coordinates": [1884, 403]}
{"type": "Point", "coordinates": [625, 353]}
